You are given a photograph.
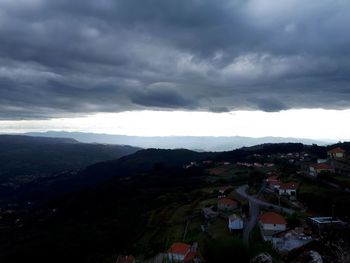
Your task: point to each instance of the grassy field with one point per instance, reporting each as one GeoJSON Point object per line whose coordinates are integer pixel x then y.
{"type": "Point", "coordinates": [309, 188]}
{"type": "Point", "coordinates": [257, 245]}
{"type": "Point", "coordinates": [343, 181]}
{"type": "Point", "coordinates": [227, 173]}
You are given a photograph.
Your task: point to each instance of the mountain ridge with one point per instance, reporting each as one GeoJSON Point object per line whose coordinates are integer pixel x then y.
{"type": "Point", "coordinates": [198, 143]}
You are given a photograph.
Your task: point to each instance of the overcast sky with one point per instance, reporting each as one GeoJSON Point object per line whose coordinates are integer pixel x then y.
{"type": "Point", "coordinates": [73, 59]}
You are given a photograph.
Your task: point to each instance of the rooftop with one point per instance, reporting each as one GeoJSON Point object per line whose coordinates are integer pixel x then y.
{"type": "Point", "coordinates": [125, 259]}
{"type": "Point", "coordinates": [227, 201]}
{"type": "Point", "coordinates": [272, 218]}
{"type": "Point", "coordinates": [272, 178]}
{"type": "Point", "coordinates": [336, 150]}
{"type": "Point", "coordinates": [234, 217]}
{"type": "Point", "coordinates": [323, 166]}
{"type": "Point", "coordinates": [289, 185]}
{"type": "Point", "coordinates": [179, 248]}
{"type": "Point", "coordinates": [325, 220]}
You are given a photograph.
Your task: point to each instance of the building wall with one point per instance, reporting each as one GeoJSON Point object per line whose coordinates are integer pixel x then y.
{"type": "Point", "coordinates": [336, 155]}
{"type": "Point", "coordinates": [289, 192]}
{"type": "Point", "coordinates": [176, 257]}
{"type": "Point", "coordinates": [276, 227]}
{"type": "Point", "coordinates": [226, 206]}
{"type": "Point", "coordinates": [339, 155]}
{"type": "Point", "coordinates": [313, 171]}
{"type": "Point", "coordinates": [236, 224]}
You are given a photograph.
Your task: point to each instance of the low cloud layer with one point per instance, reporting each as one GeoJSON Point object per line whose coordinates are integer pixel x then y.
{"type": "Point", "coordinates": [62, 58]}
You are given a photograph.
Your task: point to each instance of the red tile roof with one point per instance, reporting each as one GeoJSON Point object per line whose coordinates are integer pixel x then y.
{"type": "Point", "coordinates": [227, 201]}
{"type": "Point", "coordinates": [225, 188]}
{"type": "Point", "coordinates": [190, 256]}
{"type": "Point", "coordinates": [275, 183]}
{"type": "Point", "coordinates": [272, 218]}
{"type": "Point", "coordinates": [336, 150]}
{"type": "Point", "coordinates": [125, 259]}
{"type": "Point", "coordinates": [179, 248]}
{"type": "Point", "coordinates": [321, 166]}
{"type": "Point", "coordinates": [289, 185]}
{"type": "Point", "coordinates": [272, 179]}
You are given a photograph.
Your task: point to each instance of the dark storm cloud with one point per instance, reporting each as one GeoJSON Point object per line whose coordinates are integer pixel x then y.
{"type": "Point", "coordinates": [162, 95]}
{"type": "Point", "coordinates": [64, 58]}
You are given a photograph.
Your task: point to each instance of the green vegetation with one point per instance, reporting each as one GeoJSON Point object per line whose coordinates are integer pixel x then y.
{"type": "Point", "coordinates": [321, 199]}
{"type": "Point", "coordinates": [220, 250]}
{"type": "Point", "coordinates": [30, 156]}
{"type": "Point", "coordinates": [257, 245]}
{"type": "Point", "coordinates": [140, 204]}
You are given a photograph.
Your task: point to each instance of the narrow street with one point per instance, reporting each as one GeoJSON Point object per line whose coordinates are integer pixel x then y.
{"type": "Point", "coordinates": [254, 210]}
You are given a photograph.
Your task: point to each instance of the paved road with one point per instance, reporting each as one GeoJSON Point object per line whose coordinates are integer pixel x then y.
{"type": "Point", "coordinates": [254, 210]}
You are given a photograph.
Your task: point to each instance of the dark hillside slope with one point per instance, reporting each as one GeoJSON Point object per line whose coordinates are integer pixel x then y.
{"type": "Point", "coordinates": [263, 149]}
{"type": "Point", "coordinates": [96, 223]}
{"type": "Point", "coordinates": [29, 157]}
{"type": "Point", "coordinates": [101, 215]}
{"type": "Point", "coordinates": [145, 160]}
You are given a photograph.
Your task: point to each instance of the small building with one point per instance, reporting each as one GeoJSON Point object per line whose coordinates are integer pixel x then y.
{"type": "Point", "coordinates": [325, 223]}
{"type": "Point", "coordinates": [125, 259]}
{"type": "Point", "coordinates": [317, 168]}
{"type": "Point", "coordinates": [271, 223]}
{"type": "Point", "coordinates": [209, 213]}
{"type": "Point", "coordinates": [273, 182]}
{"type": "Point", "coordinates": [336, 153]}
{"type": "Point", "coordinates": [288, 189]}
{"type": "Point", "coordinates": [178, 251]}
{"type": "Point", "coordinates": [224, 190]}
{"type": "Point", "coordinates": [227, 204]}
{"type": "Point", "coordinates": [181, 252]}
{"type": "Point", "coordinates": [235, 222]}
{"type": "Point", "coordinates": [291, 239]}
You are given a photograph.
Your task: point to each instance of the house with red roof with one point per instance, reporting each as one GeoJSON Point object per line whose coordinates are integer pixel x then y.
{"type": "Point", "coordinates": [271, 223]}
{"type": "Point", "coordinates": [336, 153]}
{"type": "Point", "coordinates": [227, 204]}
{"type": "Point", "coordinates": [317, 168]}
{"type": "Point", "coordinates": [288, 189]}
{"type": "Point", "coordinates": [224, 190]}
{"type": "Point", "coordinates": [125, 259]}
{"type": "Point", "coordinates": [181, 252]}
{"type": "Point", "coordinates": [273, 182]}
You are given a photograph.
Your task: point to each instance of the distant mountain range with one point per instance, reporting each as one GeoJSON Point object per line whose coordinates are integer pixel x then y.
{"type": "Point", "coordinates": [198, 143]}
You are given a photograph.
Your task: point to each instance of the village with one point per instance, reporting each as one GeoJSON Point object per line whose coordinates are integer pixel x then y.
{"type": "Point", "coordinates": [266, 202]}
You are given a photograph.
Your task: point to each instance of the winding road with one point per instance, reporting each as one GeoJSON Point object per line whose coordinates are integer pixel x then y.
{"type": "Point", "coordinates": [254, 210]}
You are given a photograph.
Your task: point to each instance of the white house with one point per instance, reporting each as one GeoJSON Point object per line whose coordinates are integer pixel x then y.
{"type": "Point", "coordinates": [181, 252]}
{"type": "Point", "coordinates": [271, 223]}
{"type": "Point", "coordinates": [318, 168]}
{"type": "Point", "coordinates": [178, 251]}
{"type": "Point", "coordinates": [209, 213]}
{"type": "Point", "coordinates": [235, 222]}
{"type": "Point", "coordinates": [226, 204]}
{"type": "Point", "coordinates": [273, 182]}
{"type": "Point", "coordinates": [288, 189]}
{"type": "Point", "coordinates": [336, 153]}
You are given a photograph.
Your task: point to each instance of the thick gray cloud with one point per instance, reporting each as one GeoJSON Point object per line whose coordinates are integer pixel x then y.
{"type": "Point", "coordinates": [65, 58]}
